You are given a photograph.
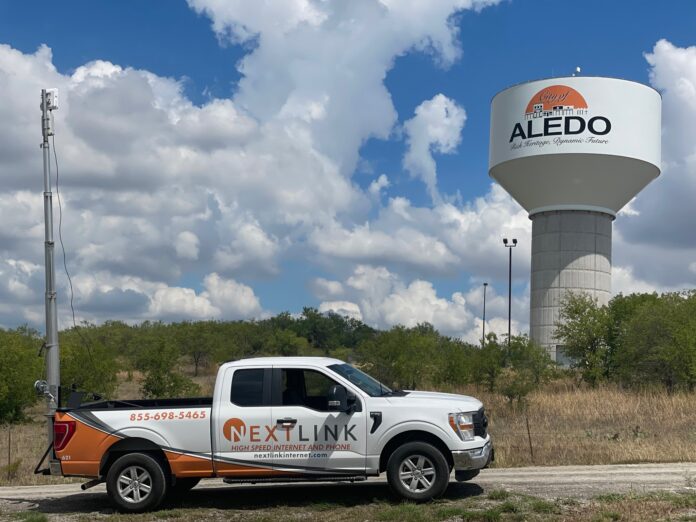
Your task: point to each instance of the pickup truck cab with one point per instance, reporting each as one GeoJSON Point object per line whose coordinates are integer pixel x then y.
{"type": "Point", "coordinates": [274, 419]}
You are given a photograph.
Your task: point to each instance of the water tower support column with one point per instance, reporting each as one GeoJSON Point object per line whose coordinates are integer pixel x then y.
{"type": "Point", "coordinates": [571, 252]}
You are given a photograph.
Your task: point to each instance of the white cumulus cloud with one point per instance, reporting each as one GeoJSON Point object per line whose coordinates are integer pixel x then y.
{"type": "Point", "coordinates": [383, 299]}
{"type": "Point", "coordinates": [343, 308]}
{"type": "Point", "coordinates": [233, 299]}
{"type": "Point", "coordinates": [654, 243]}
{"type": "Point", "coordinates": [436, 127]}
{"type": "Point", "coordinates": [186, 245]}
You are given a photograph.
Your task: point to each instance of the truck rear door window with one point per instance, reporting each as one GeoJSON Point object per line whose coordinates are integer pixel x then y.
{"type": "Point", "coordinates": [247, 387]}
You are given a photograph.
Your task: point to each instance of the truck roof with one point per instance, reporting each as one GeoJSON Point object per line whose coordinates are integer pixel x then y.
{"type": "Point", "coordinates": [320, 361]}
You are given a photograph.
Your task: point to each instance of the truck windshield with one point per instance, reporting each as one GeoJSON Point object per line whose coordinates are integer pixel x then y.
{"type": "Point", "coordinates": [371, 386]}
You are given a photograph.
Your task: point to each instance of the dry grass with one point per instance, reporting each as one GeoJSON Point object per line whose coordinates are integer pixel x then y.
{"type": "Point", "coordinates": [568, 424]}
{"type": "Point", "coordinates": [571, 425]}
{"type": "Point", "coordinates": [28, 444]}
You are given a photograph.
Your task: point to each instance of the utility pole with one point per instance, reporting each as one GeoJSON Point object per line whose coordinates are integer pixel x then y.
{"type": "Point", "coordinates": [483, 337]}
{"type": "Point", "coordinates": [50, 387]}
{"type": "Point", "coordinates": [509, 246]}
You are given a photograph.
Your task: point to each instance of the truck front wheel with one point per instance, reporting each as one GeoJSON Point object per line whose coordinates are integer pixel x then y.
{"type": "Point", "coordinates": [136, 482]}
{"type": "Point", "coordinates": [418, 471]}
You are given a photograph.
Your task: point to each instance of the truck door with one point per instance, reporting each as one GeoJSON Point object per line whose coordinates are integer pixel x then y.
{"type": "Point", "coordinates": [242, 422]}
{"type": "Point", "coordinates": [310, 438]}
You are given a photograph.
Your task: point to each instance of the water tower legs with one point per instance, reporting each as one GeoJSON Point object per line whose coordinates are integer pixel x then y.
{"type": "Point", "coordinates": [571, 251]}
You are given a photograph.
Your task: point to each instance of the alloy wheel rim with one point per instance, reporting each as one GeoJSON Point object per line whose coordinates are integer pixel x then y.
{"type": "Point", "coordinates": [417, 473]}
{"type": "Point", "coordinates": [134, 484]}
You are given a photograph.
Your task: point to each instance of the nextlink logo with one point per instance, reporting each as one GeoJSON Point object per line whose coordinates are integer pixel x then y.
{"type": "Point", "coordinates": [558, 110]}
{"type": "Point", "coordinates": [236, 430]}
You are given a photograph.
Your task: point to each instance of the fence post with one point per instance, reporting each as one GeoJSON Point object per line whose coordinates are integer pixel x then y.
{"type": "Point", "coordinates": [9, 451]}
{"type": "Point", "coordinates": [529, 435]}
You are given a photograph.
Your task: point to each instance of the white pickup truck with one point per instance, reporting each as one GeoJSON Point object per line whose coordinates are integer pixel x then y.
{"type": "Point", "coordinates": [275, 419]}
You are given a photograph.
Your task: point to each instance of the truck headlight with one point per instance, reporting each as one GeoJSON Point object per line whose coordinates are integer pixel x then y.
{"type": "Point", "coordinates": [463, 425]}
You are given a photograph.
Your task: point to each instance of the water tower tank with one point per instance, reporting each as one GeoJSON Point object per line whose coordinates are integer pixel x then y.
{"type": "Point", "coordinates": [573, 151]}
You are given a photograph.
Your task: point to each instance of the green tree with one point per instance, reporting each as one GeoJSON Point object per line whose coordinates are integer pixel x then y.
{"type": "Point", "coordinates": [488, 362]}
{"type": "Point", "coordinates": [402, 357]}
{"type": "Point", "coordinates": [524, 354]}
{"type": "Point", "coordinates": [158, 360]}
{"type": "Point", "coordinates": [417, 359]}
{"type": "Point", "coordinates": [19, 367]}
{"type": "Point", "coordinates": [622, 308]}
{"type": "Point", "coordinates": [282, 321]}
{"type": "Point", "coordinates": [527, 366]}
{"type": "Point", "coordinates": [86, 362]}
{"type": "Point", "coordinates": [454, 365]}
{"type": "Point", "coordinates": [583, 330]}
{"type": "Point", "coordinates": [318, 329]}
{"type": "Point", "coordinates": [658, 344]}
{"type": "Point", "coordinates": [241, 339]}
{"type": "Point", "coordinates": [198, 341]}
{"type": "Point", "coordinates": [378, 356]}
{"type": "Point", "coordinates": [288, 343]}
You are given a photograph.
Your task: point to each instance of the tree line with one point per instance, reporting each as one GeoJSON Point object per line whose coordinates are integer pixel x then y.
{"type": "Point", "coordinates": [636, 341]}
{"type": "Point", "coordinates": [168, 356]}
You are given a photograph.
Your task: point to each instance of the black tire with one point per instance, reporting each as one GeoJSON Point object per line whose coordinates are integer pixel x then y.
{"type": "Point", "coordinates": [182, 486]}
{"type": "Point", "coordinates": [136, 483]}
{"type": "Point", "coordinates": [425, 468]}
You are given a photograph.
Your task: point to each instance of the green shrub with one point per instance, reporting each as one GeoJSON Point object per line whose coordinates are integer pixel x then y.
{"type": "Point", "coordinates": [158, 360]}
{"type": "Point", "coordinates": [19, 367]}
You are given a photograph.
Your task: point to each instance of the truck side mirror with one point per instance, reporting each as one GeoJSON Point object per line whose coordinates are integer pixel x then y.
{"type": "Point", "coordinates": [337, 398]}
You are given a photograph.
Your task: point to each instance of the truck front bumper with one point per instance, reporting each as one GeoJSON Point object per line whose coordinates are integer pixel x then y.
{"type": "Point", "coordinates": [473, 459]}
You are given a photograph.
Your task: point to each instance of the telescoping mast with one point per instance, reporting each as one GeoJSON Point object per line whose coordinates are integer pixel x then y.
{"type": "Point", "coordinates": [50, 388]}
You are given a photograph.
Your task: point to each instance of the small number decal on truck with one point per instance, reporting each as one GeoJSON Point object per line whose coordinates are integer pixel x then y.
{"type": "Point", "coordinates": [168, 415]}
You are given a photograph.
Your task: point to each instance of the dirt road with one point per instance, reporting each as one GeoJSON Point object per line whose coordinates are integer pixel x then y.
{"type": "Point", "coordinates": [547, 482]}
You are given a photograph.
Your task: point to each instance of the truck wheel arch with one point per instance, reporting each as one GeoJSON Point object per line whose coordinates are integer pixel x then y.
{"type": "Point", "coordinates": [133, 445]}
{"type": "Point", "coordinates": [412, 436]}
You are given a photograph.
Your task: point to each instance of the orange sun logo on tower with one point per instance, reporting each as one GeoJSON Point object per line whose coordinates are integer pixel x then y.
{"type": "Point", "coordinates": [556, 100]}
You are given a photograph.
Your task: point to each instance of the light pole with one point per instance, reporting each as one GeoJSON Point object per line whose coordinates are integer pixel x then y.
{"type": "Point", "coordinates": [483, 337]}
{"type": "Point", "coordinates": [509, 246]}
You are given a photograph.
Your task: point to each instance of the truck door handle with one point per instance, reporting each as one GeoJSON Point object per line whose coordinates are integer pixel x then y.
{"type": "Point", "coordinates": [287, 422]}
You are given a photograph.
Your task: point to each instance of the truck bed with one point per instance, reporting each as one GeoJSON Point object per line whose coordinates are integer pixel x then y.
{"type": "Point", "coordinates": [136, 404]}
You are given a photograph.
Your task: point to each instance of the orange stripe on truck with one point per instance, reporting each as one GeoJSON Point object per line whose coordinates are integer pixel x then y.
{"type": "Point", "coordinates": [82, 455]}
{"type": "Point", "coordinates": [188, 465]}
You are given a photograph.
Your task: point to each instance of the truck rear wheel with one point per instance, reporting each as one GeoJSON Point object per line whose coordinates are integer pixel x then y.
{"type": "Point", "coordinates": [136, 482]}
{"type": "Point", "coordinates": [418, 471]}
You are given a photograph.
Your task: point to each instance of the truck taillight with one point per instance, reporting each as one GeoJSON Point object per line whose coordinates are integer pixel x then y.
{"type": "Point", "coordinates": [62, 433]}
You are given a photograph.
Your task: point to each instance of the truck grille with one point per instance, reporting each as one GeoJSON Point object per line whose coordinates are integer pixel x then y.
{"type": "Point", "coordinates": [480, 423]}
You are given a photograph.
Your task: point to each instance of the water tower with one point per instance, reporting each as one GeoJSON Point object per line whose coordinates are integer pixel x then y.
{"type": "Point", "coordinates": [573, 151]}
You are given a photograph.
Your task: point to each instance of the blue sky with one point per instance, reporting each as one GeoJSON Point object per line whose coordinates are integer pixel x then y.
{"type": "Point", "coordinates": [502, 44]}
